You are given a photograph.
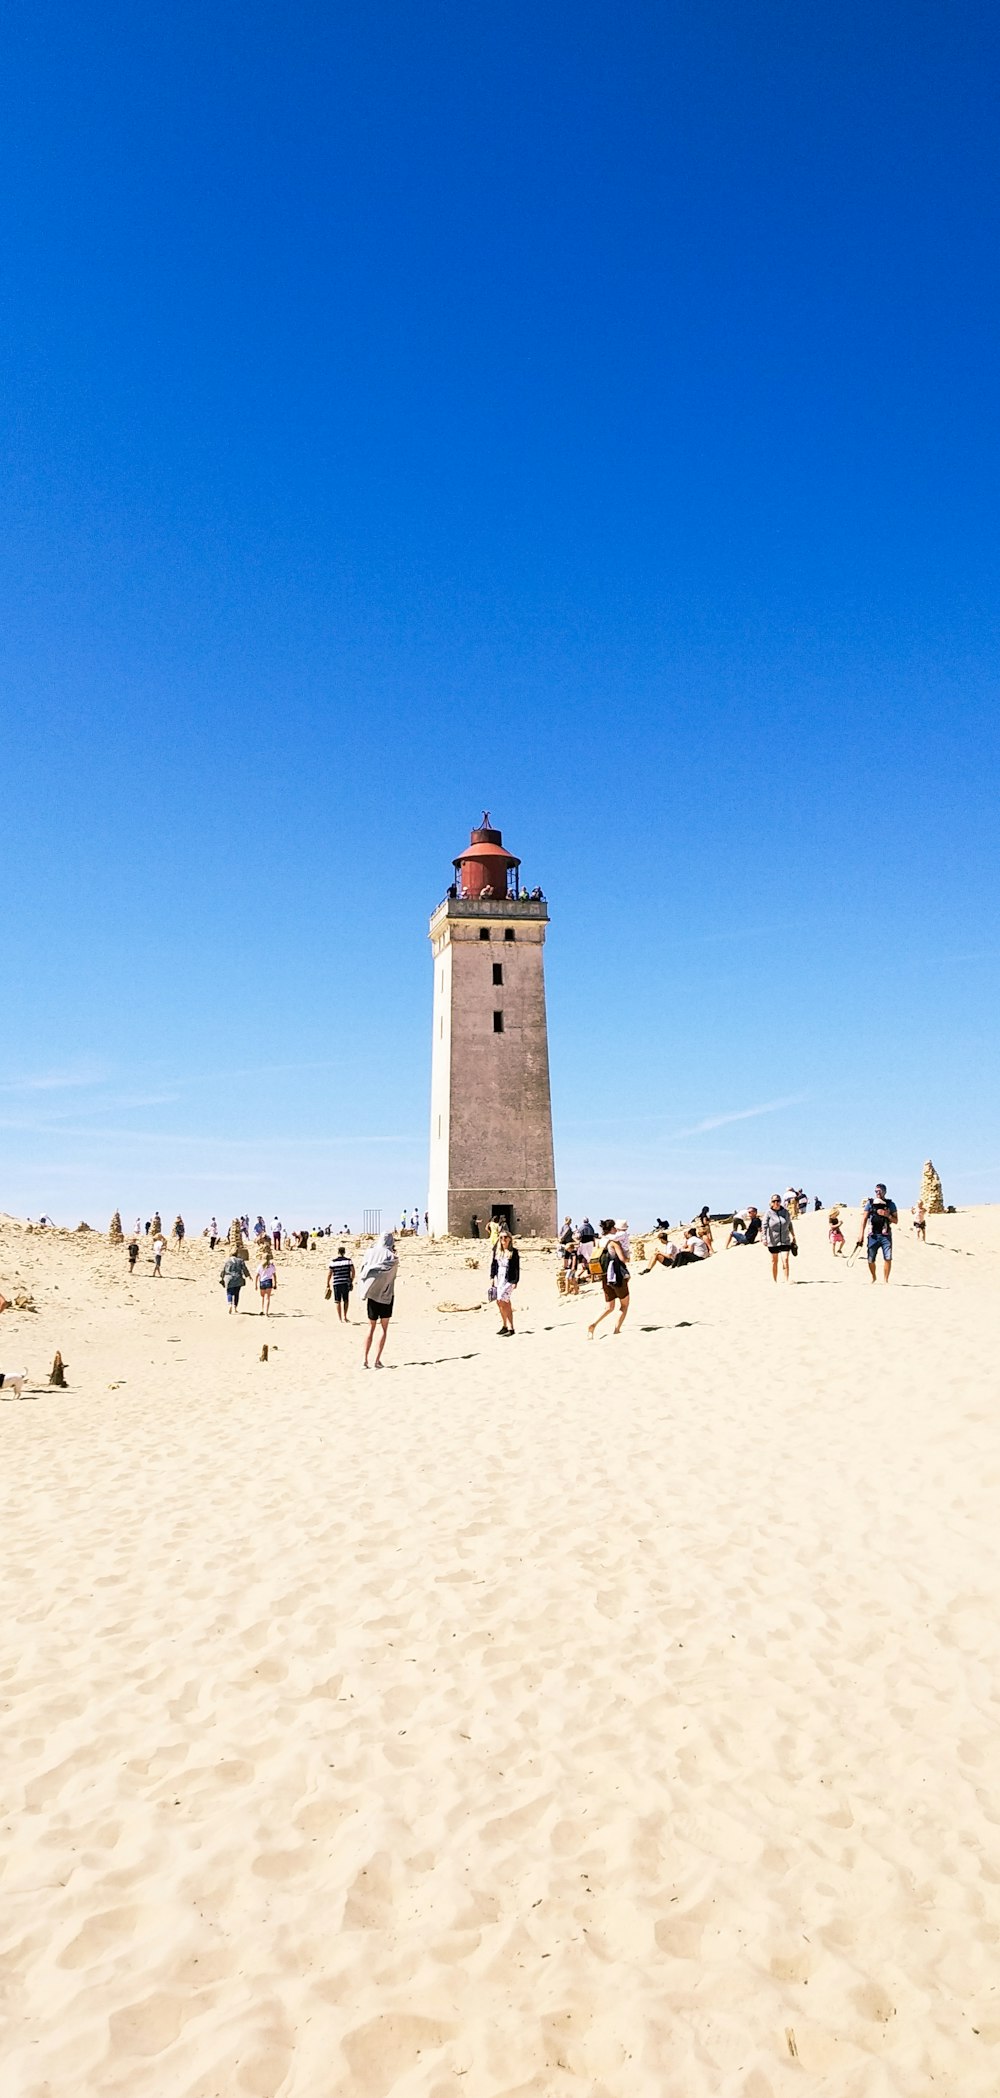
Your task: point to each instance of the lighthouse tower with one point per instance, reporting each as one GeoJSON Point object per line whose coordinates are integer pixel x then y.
{"type": "Point", "coordinates": [491, 1110]}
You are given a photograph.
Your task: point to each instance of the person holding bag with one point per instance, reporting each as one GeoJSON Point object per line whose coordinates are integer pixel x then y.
{"type": "Point", "coordinates": [779, 1236]}
{"type": "Point", "coordinates": [505, 1274]}
{"type": "Point", "coordinates": [615, 1276]}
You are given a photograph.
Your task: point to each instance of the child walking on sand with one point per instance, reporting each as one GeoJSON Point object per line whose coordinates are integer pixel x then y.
{"type": "Point", "coordinates": [836, 1234]}
{"type": "Point", "coordinates": [267, 1283]}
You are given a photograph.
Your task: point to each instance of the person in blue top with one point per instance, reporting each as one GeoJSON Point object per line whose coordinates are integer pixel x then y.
{"type": "Point", "coordinates": [880, 1214]}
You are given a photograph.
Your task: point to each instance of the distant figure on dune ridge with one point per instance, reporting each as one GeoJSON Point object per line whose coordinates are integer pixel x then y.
{"type": "Point", "coordinates": [233, 1276]}
{"type": "Point", "coordinates": [779, 1237]}
{"type": "Point", "coordinates": [378, 1287]}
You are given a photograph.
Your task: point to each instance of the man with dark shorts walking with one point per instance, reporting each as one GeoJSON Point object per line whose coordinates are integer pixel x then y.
{"type": "Point", "coordinates": [340, 1282]}
{"type": "Point", "coordinates": [880, 1214]}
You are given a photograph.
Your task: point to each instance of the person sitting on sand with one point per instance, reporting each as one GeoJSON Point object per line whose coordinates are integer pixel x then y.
{"type": "Point", "coordinates": [745, 1233]}
{"type": "Point", "coordinates": [613, 1269]}
{"type": "Point", "coordinates": [664, 1254]}
{"type": "Point", "coordinates": [836, 1234]}
{"type": "Point", "coordinates": [378, 1287]}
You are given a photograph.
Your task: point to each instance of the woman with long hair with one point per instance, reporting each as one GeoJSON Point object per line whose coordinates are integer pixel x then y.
{"type": "Point", "coordinates": [614, 1275]}
{"type": "Point", "coordinates": [505, 1274]}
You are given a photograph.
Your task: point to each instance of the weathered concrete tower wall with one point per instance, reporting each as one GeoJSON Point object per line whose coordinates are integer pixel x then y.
{"type": "Point", "coordinates": [491, 1108]}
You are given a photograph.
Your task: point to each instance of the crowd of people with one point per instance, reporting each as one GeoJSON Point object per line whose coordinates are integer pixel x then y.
{"type": "Point", "coordinates": [589, 1256]}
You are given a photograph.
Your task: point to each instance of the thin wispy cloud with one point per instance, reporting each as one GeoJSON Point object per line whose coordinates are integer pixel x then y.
{"type": "Point", "coordinates": [57, 1081]}
{"type": "Point", "coordinates": [739, 1114]}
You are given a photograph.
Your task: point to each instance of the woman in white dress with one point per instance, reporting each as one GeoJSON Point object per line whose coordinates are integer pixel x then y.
{"type": "Point", "coordinates": [505, 1274]}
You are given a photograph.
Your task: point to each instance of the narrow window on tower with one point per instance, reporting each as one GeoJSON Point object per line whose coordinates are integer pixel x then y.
{"type": "Point", "coordinates": [498, 972]}
{"type": "Point", "coordinates": [497, 1022]}
{"type": "Point", "coordinates": [484, 932]}
{"type": "Point", "coordinates": [508, 934]}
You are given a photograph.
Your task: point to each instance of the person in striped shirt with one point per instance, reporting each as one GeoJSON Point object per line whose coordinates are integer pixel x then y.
{"type": "Point", "coordinates": [340, 1282]}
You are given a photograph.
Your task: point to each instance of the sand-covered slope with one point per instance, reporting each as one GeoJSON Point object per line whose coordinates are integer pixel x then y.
{"type": "Point", "coordinates": [544, 1717]}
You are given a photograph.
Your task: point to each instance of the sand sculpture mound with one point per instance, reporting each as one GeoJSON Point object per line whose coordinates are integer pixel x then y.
{"type": "Point", "coordinates": [930, 1191]}
{"type": "Point", "coordinates": [115, 1232]}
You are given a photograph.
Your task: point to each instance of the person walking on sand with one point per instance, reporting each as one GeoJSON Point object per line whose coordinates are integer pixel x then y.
{"type": "Point", "coordinates": [779, 1237]}
{"type": "Point", "coordinates": [234, 1274]}
{"type": "Point", "coordinates": [505, 1274]}
{"type": "Point", "coordinates": [614, 1277]}
{"type": "Point", "coordinates": [340, 1282]}
{"type": "Point", "coordinates": [159, 1248]}
{"type": "Point", "coordinates": [880, 1214]}
{"type": "Point", "coordinates": [920, 1222]}
{"type": "Point", "coordinates": [836, 1234]}
{"type": "Point", "coordinates": [266, 1283]}
{"type": "Point", "coordinates": [133, 1254]}
{"type": "Point", "coordinates": [378, 1287]}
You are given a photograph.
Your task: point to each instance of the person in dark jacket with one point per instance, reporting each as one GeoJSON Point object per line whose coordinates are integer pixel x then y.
{"type": "Point", "coordinates": [234, 1274]}
{"type": "Point", "coordinates": [505, 1274]}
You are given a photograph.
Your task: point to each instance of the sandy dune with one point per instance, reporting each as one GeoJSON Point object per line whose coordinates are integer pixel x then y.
{"type": "Point", "coordinates": [566, 1718]}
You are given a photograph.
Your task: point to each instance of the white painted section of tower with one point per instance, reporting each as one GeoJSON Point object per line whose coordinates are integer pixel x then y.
{"type": "Point", "coordinates": [491, 1106]}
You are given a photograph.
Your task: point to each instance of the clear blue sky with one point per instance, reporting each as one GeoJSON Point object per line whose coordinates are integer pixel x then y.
{"type": "Point", "coordinates": [589, 412]}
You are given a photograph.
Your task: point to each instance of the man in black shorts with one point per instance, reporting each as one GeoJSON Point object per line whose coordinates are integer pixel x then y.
{"type": "Point", "coordinates": [340, 1282]}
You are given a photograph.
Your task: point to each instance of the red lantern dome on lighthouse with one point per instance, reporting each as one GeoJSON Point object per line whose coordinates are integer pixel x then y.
{"type": "Point", "coordinates": [486, 871]}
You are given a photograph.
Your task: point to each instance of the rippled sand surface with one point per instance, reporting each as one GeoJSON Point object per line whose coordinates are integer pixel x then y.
{"type": "Point", "coordinates": [607, 1718]}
